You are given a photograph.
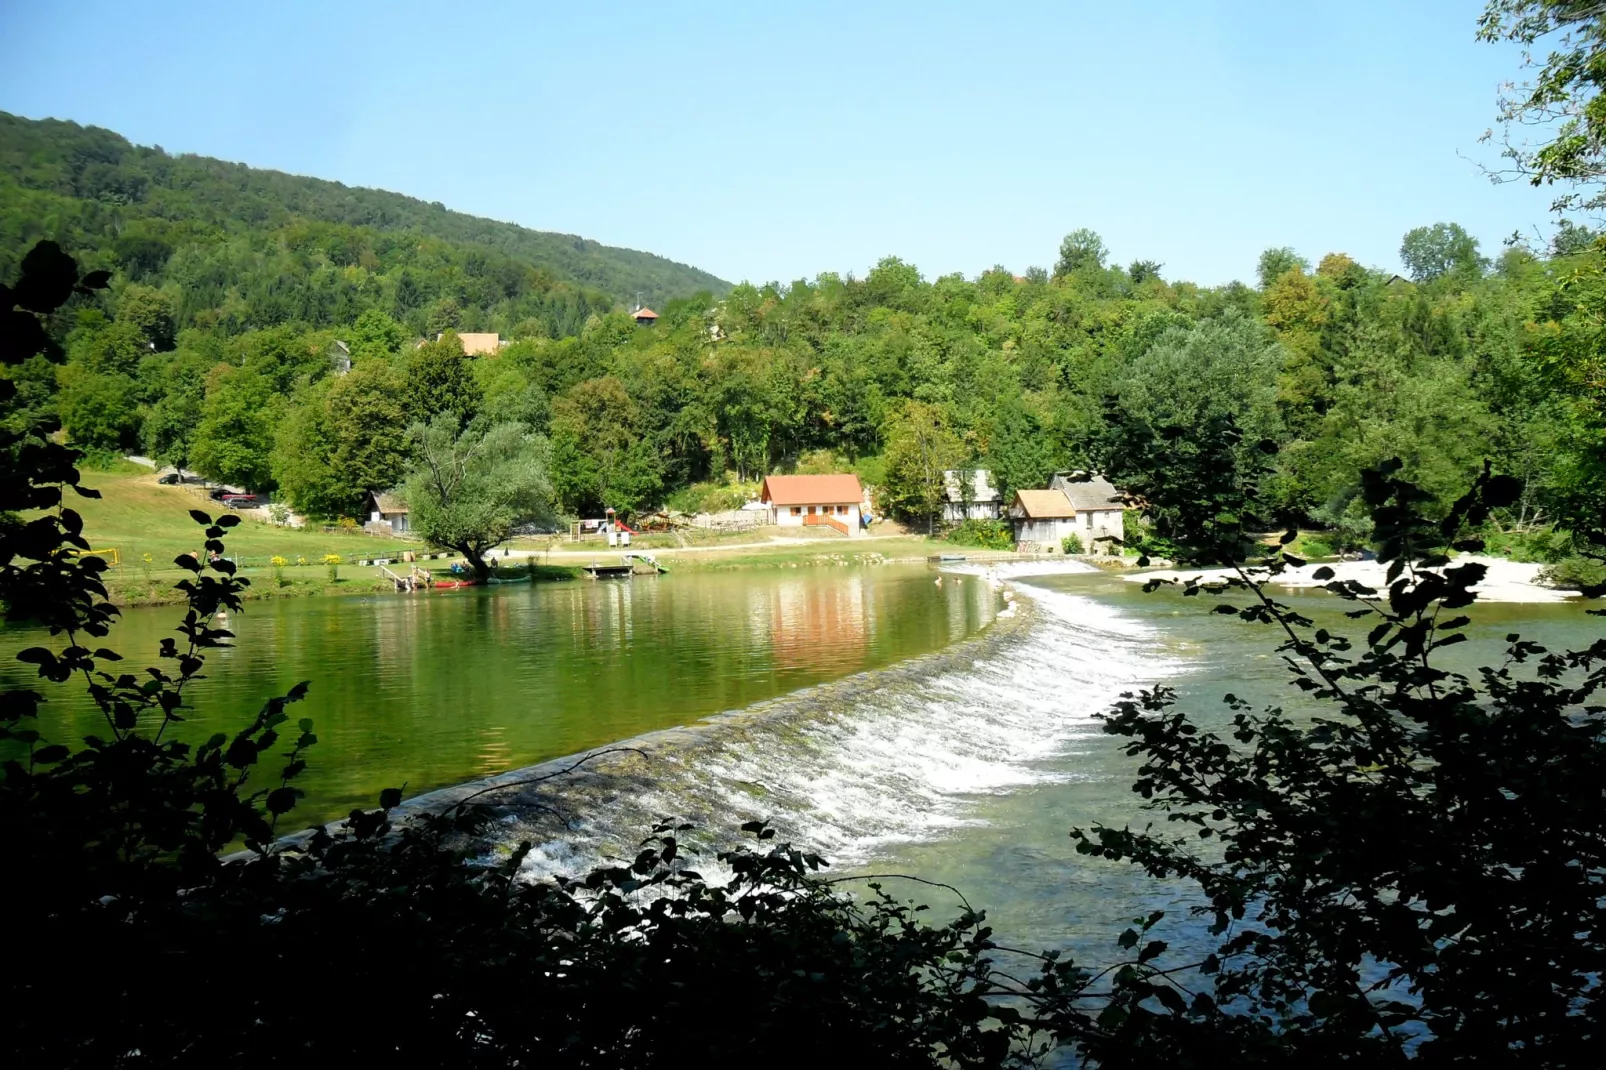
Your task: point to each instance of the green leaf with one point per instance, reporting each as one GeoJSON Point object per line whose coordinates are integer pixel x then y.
{"type": "Point", "coordinates": [1502, 491]}
{"type": "Point", "coordinates": [1170, 998]}
{"type": "Point", "coordinates": [281, 800]}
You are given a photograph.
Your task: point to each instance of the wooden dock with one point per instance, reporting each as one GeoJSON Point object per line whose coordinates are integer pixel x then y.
{"type": "Point", "coordinates": [609, 572]}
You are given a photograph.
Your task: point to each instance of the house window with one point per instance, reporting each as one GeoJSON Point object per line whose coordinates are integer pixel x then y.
{"type": "Point", "coordinates": [842, 510]}
{"type": "Point", "coordinates": [1087, 521]}
{"type": "Point", "coordinates": [811, 510]}
{"type": "Point", "coordinates": [797, 510]}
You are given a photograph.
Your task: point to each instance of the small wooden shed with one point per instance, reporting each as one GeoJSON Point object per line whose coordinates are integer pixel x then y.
{"type": "Point", "coordinates": [387, 513]}
{"type": "Point", "coordinates": [969, 494]}
{"type": "Point", "coordinates": [1042, 519]}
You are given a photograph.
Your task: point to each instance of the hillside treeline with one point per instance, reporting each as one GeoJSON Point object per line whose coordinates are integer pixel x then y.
{"type": "Point", "coordinates": [241, 249]}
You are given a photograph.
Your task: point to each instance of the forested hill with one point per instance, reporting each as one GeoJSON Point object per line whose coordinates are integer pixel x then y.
{"type": "Point", "coordinates": [251, 248]}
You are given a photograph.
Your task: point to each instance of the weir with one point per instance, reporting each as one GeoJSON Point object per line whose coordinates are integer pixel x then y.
{"type": "Point", "coordinates": [892, 756]}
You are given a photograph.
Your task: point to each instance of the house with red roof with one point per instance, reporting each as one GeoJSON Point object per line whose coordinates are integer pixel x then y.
{"type": "Point", "coordinates": [833, 501]}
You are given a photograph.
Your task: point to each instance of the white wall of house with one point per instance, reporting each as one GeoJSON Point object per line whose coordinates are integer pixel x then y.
{"type": "Point", "coordinates": [954, 512]}
{"type": "Point", "coordinates": [796, 516]}
{"type": "Point", "coordinates": [397, 521]}
{"type": "Point", "coordinates": [1045, 533]}
{"type": "Point", "coordinates": [1095, 524]}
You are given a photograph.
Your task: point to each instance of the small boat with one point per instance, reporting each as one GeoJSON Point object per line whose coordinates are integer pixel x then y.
{"type": "Point", "coordinates": [451, 585]}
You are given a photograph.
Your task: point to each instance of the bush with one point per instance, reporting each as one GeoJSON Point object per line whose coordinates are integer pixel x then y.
{"type": "Point", "coordinates": [1546, 546]}
{"type": "Point", "coordinates": [333, 562]}
{"type": "Point", "coordinates": [983, 534]}
{"type": "Point", "coordinates": [1072, 543]}
{"type": "Point", "coordinates": [872, 470]}
{"type": "Point", "coordinates": [1314, 545]}
{"type": "Point", "coordinates": [1574, 574]}
{"type": "Point", "coordinates": [1139, 538]}
{"type": "Point", "coordinates": [712, 497]}
{"type": "Point", "coordinates": [822, 463]}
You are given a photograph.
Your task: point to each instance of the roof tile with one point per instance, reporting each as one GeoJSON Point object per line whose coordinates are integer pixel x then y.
{"type": "Point", "coordinates": [813, 490]}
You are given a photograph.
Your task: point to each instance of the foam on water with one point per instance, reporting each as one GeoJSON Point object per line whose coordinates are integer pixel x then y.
{"type": "Point", "coordinates": [887, 757]}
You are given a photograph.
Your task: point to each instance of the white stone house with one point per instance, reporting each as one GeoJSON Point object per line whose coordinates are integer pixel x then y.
{"type": "Point", "coordinates": [1099, 510]}
{"type": "Point", "coordinates": [832, 501]}
{"type": "Point", "coordinates": [969, 494]}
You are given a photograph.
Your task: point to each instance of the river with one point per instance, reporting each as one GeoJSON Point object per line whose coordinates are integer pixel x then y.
{"type": "Point", "coordinates": [890, 722]}
{"type": "Point", "coordinates": [430, 690]}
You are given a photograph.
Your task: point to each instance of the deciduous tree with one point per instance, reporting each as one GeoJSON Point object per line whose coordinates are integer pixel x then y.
{"type": "Point", "coordinates": [1442, 249]}
{"type": "Point", "coordinates": [1082, 250]}
{"type": "Point", "coordinates": [468, 490]}
{"type": "Point", "coordinates": [920, 447]}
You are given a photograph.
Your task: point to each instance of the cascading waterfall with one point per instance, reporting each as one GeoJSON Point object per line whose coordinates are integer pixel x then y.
{"type": "Point", "coordinates": [852, 768]}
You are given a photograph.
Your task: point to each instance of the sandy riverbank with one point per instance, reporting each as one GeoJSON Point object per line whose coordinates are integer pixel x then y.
{"type": "Point", "coordinates": [1506, 581]}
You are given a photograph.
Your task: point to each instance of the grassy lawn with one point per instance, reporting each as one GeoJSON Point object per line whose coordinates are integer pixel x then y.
{"type": "Point", "coordinates": [137, 516]}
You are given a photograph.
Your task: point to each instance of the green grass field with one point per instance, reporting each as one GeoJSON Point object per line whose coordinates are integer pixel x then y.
{"type": "Point", "coordinates": [137, 517]}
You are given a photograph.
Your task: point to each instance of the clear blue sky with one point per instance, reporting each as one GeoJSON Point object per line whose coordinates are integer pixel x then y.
{"type": "Point", "coordinates": [775, 141]}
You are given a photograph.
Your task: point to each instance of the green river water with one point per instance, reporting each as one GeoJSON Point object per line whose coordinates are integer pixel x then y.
{"type": "Point", "coordinates": [435, 689]}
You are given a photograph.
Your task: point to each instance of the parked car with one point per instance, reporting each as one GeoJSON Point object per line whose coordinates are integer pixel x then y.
{"type": "Point", "coordinates": [169, 479]}
{"type": "Point", "coordinates": [241, 501]}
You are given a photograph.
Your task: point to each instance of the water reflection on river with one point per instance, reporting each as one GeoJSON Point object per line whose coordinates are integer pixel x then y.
{"type": "Point", "coordinates": [433, 690]}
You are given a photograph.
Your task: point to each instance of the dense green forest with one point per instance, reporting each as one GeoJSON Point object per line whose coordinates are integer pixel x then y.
{"type": "Point", "coordinates": [244, 248]}
{"type": "Point", "coordinates": [213, 346]}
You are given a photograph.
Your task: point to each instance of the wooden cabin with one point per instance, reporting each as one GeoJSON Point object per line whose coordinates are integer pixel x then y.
{"type": "Point", "coordinates": [387, 513]}
{"type": "Point", "coordinates": [644, 317]}
{"type": "Point", "coordinates": [969, 494]}
{"type": "Point", "coordinates": [1043, 518]}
